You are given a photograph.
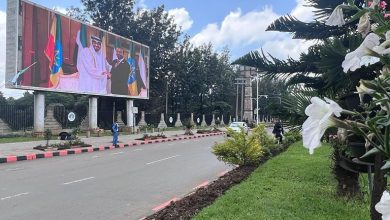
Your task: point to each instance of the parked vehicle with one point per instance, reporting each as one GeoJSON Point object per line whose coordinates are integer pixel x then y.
{"type": "Point", "coordinates": [236, 126]}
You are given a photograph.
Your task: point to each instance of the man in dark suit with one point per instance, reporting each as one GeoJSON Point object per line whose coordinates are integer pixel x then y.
{"type": "Point", "coordinates": [119, 74]}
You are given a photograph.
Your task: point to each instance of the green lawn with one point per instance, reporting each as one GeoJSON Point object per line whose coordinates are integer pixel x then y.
{"type": "Point", "coordinates": [293, 185]}
{"type": "Point", "coordinates": [19, 139]}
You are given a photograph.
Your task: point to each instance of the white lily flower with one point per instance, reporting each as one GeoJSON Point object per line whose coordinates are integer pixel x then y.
{"type": "Point", "coordinates": [336, 18]}
{"type": "Point", "coordinates": [383, 48]}
{"type": "Point", "coordinates": [362, 55]}
{"type": "Point", "coordinates": [364, 25]}
{"type": "Point", "coordinates": [362, 90]}
{"type": "Point", "coordinates": [383, 206]}
{"type": "Point", "coordinates": [320, 118]}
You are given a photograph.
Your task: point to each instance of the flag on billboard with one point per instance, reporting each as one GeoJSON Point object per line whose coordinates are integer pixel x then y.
{"type": "Point", "coordinates": [83, 35]}
{"type": "Point", "coordinates": [53, 50]}
{"type": "Point", "coordinates": [132, 81]}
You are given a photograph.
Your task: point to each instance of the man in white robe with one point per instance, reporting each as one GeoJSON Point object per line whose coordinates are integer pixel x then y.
{"type": "Point", "coordinates": [93, 67]}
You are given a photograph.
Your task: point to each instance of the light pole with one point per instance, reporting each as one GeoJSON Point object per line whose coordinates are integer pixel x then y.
{"type": "Point", "coordinates": [166, 93]}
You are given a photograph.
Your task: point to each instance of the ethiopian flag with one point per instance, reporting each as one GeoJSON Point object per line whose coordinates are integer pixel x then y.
{"type": "Point", "coordinates": [132, 81]}
{"type": "Point", "coordinates": [53, 50]}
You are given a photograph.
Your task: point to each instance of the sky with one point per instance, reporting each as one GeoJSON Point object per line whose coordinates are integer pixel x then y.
{"type": "Point", "coordinates": [238, 25]}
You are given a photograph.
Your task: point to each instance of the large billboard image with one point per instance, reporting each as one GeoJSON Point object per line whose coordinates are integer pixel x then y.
{"type": "Point", "coordinates": [57, 53]}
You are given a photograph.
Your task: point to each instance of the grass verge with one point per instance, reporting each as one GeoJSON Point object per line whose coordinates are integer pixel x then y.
{"type": "Point", "coordinates": [19, 139]}
{"type": "Point", "coordinates": [294, 185]}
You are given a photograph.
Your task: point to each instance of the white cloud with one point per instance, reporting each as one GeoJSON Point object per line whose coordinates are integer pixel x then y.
{"type": "Point", "coordinates": [141, 4]}
{"type": "Point", "coordinates": [302, 12]}
{"type": "Point", "coordinates": [182, 18]}
{"type": "Point", "coordinates": [238, 29]}
{"type": "Point", "coordinates": [287, 47]}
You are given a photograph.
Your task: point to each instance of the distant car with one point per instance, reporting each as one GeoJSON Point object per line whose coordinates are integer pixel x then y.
{"type": "Point", "coordinates": [236, 126]}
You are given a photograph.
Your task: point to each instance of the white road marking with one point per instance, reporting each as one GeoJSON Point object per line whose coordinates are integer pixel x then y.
{"type": "Point", "coordinates": [138, 150]}
{"type": "Point", "coordinates": [14, 169]}
{"type": "Point", "coordinates": [17, 195]}
{"type": "Point", "coordinates": [96, 156]}
{"type": "Point", "coordinates": [184, 142]}
{"type": "Point", "coordinates": [162, 160]}
{"type": "Point", "coordinates": [80, 180]}
{"type": "Point", "coordinates": [120, 152]}
{"type": "Point", "coordinates": [171, 144]}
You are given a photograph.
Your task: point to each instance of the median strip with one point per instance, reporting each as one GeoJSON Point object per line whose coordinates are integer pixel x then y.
{"type": "Point", "coordinates": [33, 156]}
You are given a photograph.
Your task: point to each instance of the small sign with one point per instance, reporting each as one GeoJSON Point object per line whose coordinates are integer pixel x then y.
{"type": "Point", "coordinates": [198, 120]}
{"type": "Point", "coordinates": [71, 116]}
{"type": "Point", "coordinates": [135, 110]}
{"type": "Point", "coordinates": [170, 119]}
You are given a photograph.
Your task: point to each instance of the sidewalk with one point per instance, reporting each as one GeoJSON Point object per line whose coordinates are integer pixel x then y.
{"type": "Point", "coordinates": [24, 148]}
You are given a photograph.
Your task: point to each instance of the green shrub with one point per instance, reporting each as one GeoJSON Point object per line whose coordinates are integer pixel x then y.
{"type": "Point", "coordinates": [76, 131]}
{"type": "Point", "coordinates": [292, 136]}
{"type": "Point", "coordinates": [188, 125]}
{"type": "Point", "coordinates": [47, 135]}
{"type": "Point", "coordinates": [267, 141]}
{"type": "Point", "coordinates": [240, 149]}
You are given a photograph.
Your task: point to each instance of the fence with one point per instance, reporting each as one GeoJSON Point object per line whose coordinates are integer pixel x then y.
{"type": "Point", "coordinates": [18, 117]}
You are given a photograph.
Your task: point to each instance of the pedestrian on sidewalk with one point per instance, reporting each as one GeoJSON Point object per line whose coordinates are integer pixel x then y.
{"type": "Point", "coordinates": [115, 130]}
{"type": "Point", "coordinates": [278, 131]}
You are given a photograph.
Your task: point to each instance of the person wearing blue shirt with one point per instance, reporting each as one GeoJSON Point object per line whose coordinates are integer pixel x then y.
{"type": "Point", "coordinates": [115, 130]}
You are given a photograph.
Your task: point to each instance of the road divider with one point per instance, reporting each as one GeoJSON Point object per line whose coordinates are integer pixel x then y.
{"type": "Point", "coordinates": [32, 156]}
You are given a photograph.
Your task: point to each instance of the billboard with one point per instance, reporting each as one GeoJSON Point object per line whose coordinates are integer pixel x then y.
{"type": "Point", "coordinates": [49, 51]}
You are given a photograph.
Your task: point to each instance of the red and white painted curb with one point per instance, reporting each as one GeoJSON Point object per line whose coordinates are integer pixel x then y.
{"type": "Point", "coordinates": [12, 158]}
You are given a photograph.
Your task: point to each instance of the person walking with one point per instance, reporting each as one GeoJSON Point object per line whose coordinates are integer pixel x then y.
{"type": "Point", "coordinates": [115, 130]}
{"type": "Point", "coordinates": [278, 131]}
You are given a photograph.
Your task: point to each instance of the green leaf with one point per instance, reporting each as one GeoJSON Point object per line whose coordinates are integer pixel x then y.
{"type": "Point", "coordinates": [385, 121]}
{"type": "Point", "coordinates": [386, 166]}
{"type": "Point", "coordinates": [357, 15]}
{"type": "Point", "coordinates": [371, 152]}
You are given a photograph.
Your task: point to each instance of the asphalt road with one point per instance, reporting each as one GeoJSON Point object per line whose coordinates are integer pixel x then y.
{"type": "Point", "coordinates": [124, 183]}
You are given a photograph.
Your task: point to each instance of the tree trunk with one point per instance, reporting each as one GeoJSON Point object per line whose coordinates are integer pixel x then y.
{"type": "Point", "coordinates": [379, 186]}
{"type": "Point", "coordinates": [347, 181]}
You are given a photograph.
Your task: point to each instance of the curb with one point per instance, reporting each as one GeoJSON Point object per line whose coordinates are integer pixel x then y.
{"type": "Point", "coordinates": [178, 198]}
{"type": "Point", "coordinates": [60, 153]}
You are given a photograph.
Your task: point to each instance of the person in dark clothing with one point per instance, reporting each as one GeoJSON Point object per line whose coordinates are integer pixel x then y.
{"type": "Point", "coordinates": [278, 131]}
{"type": "Point", "coordinates": [115, 131]}
{"type": "Point", "coordinates": [120, 74]}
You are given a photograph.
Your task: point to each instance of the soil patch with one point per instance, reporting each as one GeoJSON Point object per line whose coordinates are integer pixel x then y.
{"type": "Point", "coordinates": [190, 205]}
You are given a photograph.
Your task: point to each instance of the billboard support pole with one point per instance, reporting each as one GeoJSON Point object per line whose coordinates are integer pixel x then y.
{"type": "Point", "coordinates": [92, 113]}
{"type": "Point", "coordinates": [130, 113]}
{"type": "Point", "coordinates": [39, 113]}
